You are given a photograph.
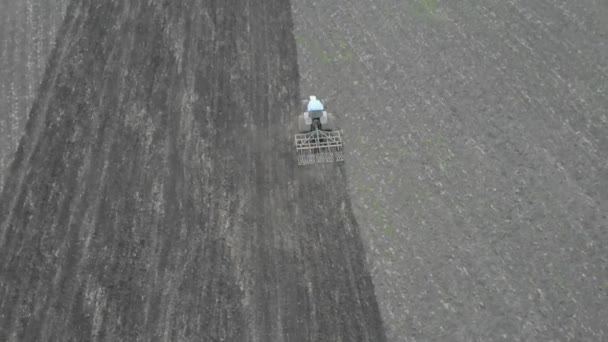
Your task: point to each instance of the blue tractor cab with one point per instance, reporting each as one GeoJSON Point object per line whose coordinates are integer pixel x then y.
{"type": "Point", "coordinates": [315, 108]}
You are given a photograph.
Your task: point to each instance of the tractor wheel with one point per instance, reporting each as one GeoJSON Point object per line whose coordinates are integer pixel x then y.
{"type": "Point", "coordinates": [302, 126]}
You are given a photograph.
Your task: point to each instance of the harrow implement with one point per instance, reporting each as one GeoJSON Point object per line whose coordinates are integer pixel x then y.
{"type": "Point", "coordinates": [319, 147]}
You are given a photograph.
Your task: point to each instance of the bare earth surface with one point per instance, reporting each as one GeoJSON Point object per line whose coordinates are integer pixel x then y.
{"type": "Point", "coordinates": [27, 36]}
{"type": "Point", "coordinates": [477, 139]}
{"type": "Point", "coordinates": [155, 194]}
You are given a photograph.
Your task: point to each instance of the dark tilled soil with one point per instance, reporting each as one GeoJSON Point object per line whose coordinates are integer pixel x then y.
{"type": "Point", "coordinates": [155, 194]}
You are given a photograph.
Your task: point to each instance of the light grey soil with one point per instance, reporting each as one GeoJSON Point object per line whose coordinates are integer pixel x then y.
{"type": "Point", "coordinates": [477, 139]}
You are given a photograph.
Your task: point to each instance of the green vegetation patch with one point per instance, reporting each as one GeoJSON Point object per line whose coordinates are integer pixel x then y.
{"type": "Point", "coordinates": [426, 7]}
{"type": "Point", "coordinates": [337, 51]}
{"type": "Point", "coordinates": [381, 218]}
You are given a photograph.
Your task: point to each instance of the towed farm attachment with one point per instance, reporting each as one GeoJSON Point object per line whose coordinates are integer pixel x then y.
{"type": "Point", "coordinates": [317, 141]}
